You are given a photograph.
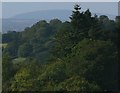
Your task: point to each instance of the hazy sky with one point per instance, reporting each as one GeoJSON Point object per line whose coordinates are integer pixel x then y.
{"type": "Point", "coordinates": [10, 9]}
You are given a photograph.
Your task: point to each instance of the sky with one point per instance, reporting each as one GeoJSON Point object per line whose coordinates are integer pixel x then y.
{"type": "Point", "coordinates": [10, 9]}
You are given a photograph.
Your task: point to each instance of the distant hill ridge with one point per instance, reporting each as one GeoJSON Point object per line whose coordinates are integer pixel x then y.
{"type": "Point", "coordinates": [21, 21]}
{"type": "Point", "coordinates": [45, 14]}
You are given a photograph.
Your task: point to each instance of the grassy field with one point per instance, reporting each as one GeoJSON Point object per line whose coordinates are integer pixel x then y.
{"type": "Point", "coordinates": [18, 60]}
{"type": "Point", "coordinates": [3, 45]}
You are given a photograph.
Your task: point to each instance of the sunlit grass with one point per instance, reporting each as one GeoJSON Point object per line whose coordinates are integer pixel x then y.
{"type": "Point", "coordinates": [18, 60]}
{"type": "Point", "coordinates": [3, 45]}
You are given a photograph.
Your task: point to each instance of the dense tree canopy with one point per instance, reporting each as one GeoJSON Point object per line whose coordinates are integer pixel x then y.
{"type": "Point", "coordinates": [76, 55]}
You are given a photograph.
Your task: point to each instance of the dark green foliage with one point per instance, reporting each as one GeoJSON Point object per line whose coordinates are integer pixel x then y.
{"type": "Point", "coordinates": [7, 72]}
{"type": "Point", "coordinates": [80, 55]}
{"type": "Point", "coordinates": [25, 50]}
{"type": "Point", "coordinates": [55, 24]}
{"type": "Point", "coordinates": [63, 41]}
{"type": "Point", "coordinates": [12, 49]}
{"type": "Point", "coordinates": [93, 58]}
{"type": "Point", "coordinates": [118, 43]}
{"type": "Point", "coordinates": [10, 36]}
{"type": "Point", "coordinates": [77, 83]}
{"type": "Point", "coordinates": [13, 41]}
